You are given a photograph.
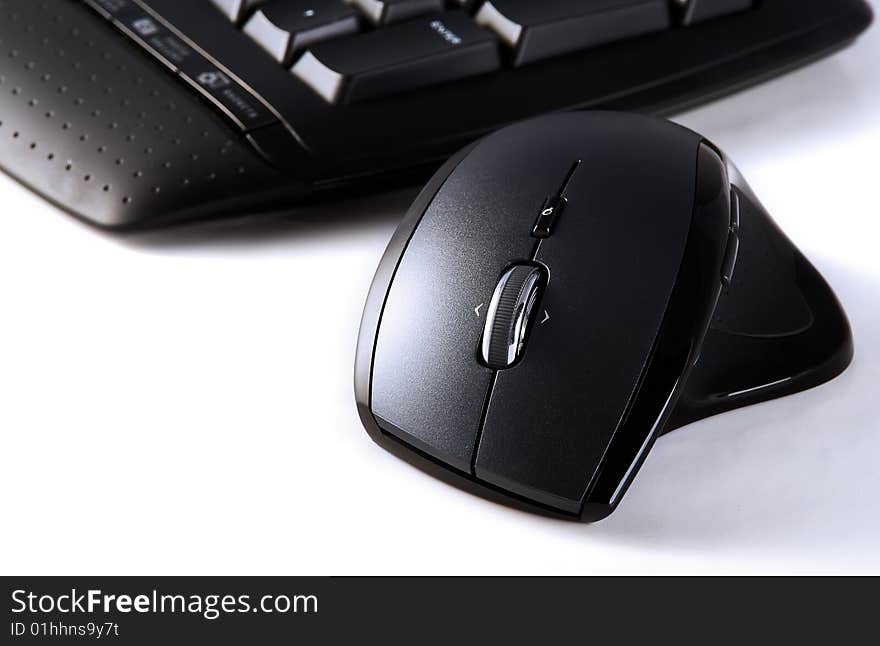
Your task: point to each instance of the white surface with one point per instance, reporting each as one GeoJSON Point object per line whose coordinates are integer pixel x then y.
{"type": "Point", "coordinates": [181, 402]}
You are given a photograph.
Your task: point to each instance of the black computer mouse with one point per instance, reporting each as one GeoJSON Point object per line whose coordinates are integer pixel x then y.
{"type": "Point", "coordinates": [567, 289]}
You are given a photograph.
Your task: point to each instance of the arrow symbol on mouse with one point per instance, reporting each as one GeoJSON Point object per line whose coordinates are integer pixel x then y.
{"type": "Point", "coordinates": [477, 309]}
{"type": "Point", "coordinates": [545, 319]}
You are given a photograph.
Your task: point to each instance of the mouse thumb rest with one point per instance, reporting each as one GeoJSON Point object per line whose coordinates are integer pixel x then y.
{"type": "Point", "coordinates": [775, 329]}
{"type": "Point", "coordinates": [778, 328]}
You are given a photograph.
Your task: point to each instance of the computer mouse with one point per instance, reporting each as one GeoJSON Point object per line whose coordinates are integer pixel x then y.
{"type": "Point", "coordinates": [567, 289]}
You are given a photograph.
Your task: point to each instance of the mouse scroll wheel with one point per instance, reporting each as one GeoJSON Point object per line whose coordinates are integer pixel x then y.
{"type": "Point", "coordinates": [509, 315]}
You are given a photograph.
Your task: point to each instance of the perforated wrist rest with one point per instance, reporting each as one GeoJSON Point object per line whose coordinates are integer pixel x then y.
{"type": "Point", "coordinates": [286, 144]}
{"type": "Point", "coordinates": [100, 129]}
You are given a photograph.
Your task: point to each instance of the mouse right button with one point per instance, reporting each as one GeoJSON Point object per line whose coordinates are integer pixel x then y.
{"type": "Point", "coordinates": [612, 263]}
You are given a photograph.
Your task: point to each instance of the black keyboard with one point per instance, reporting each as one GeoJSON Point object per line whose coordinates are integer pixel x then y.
{"type": "Point", "coordinates": [146, 112]}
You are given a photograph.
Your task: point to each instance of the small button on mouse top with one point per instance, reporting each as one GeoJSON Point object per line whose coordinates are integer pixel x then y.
{"type": "Point", "coordinates": [550, 211]}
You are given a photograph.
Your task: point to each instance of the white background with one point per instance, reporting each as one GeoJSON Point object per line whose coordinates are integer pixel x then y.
{"type": "Point", "coordinates": [181, 402]}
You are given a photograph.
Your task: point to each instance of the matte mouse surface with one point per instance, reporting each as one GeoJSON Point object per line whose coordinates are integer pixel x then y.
{"type": "Point", "coordinates": [537, 316]}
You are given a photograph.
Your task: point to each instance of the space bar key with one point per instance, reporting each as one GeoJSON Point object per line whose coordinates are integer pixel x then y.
{"type": "Point", "coordinates": [421, 52]}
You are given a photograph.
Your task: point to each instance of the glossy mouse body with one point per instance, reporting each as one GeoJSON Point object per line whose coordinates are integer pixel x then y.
{"type": "Point", "coordinates": [539, 314]}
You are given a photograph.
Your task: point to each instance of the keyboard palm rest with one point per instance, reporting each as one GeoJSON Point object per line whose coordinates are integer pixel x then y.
{"type": "Point", "coordinates": [133, 113]}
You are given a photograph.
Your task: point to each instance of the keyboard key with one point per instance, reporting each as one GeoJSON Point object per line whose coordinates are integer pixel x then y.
{"type": "Point", "coordinates": [236, 10]}
{"type": "Point", "coordinates": [537, 30]}
{"type": "Point", "coordinates": [698, 10]}
{"type": "Point", "coordinates": [383, 12]}
{"type": "Point", "coordinates": [284, 27]}
{"type": "Point", "coordinates": [420, 52]}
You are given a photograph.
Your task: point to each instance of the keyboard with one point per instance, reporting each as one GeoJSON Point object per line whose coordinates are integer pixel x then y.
{"type": "Point", "coordinates": [140, 113]}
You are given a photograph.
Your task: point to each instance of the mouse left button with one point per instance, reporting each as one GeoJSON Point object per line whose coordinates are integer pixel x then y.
{"type": "Point", "coordinates": [428, 385]}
